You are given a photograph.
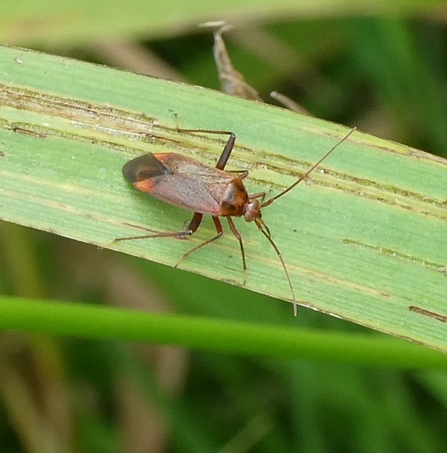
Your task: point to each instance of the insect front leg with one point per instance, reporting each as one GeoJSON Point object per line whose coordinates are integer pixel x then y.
{"type": "Point", "coordinates": [260, 195]}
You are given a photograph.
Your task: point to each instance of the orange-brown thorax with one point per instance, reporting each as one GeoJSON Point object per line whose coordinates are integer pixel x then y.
{"type": "Point", "coordinates": [236, 202]}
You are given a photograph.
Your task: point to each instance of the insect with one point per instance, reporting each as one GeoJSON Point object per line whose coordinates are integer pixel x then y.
{"type": "Point", "coordinates": [187, 183]}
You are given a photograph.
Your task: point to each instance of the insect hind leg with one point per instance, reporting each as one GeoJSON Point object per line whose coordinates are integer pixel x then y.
{"type": "Point", "coordinates": [192, 228]}
{"type": "Point", "coordinates": [229, 145]}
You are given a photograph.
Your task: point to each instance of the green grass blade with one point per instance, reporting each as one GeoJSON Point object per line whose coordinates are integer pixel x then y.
{"type": "Point", "coordinates": [363, 240]}
{"type": "Point", "coordinates": [88, 321]}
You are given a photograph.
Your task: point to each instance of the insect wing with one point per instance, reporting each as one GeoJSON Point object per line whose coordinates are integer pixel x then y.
{"type": "Point", "coordinates": [179, 181]}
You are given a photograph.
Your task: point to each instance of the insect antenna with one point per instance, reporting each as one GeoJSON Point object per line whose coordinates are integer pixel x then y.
{"type": "Point", "coordinates": [266, 232]}
{"type": "Point", "coordinates": [308, 172]}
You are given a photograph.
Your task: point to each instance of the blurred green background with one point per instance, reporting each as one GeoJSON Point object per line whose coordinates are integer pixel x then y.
{"type": "Point", "coordinates": [380, 68]}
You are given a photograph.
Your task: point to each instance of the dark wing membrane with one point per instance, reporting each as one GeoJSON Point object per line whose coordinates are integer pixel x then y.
{"type": "Point", "coordinates": [144, 167]}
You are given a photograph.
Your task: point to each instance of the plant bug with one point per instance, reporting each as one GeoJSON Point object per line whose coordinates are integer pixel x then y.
{"type": "Point", "coordinates": [186, 183]}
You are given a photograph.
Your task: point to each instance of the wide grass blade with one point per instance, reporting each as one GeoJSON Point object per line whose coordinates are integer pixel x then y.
{"type": "Point", "coordinates": [363, 237]}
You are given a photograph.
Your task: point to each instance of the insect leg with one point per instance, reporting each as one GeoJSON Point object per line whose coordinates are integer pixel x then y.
{"type": "Point", "coordinates": [192, 228]}
{"type": "Point", "coordinates": [260, 195]}
{"type": "Point", "coordinates": [219, 230]}
{"type": "Point", "coordinates": [223, 159]}
{"type": "Point", "coordinates": [241, 244]}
